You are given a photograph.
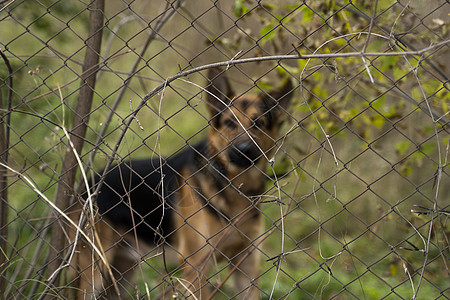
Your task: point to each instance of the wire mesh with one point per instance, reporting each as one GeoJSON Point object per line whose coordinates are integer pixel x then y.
{"type": "Point", "coordinates": [355, 201]}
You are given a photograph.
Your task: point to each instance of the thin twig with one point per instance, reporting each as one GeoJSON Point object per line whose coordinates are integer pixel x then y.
{"type": "Point", "coordinates": [438, 179]}
{"type": "Point", "coordinates": [37, 191]}
{"type": "Point", "coordinates": [52, 91]}
{"type": "Point", "coordinates": [369, 34]}
{"type": "Point", "coordinates": [5, 127]}
{"type": "Point", "coordinates": [6, 5]}
{"type": "Point", "coordinates": [248, 60]}
{"type": "Point", "coordinates": [119, 97]}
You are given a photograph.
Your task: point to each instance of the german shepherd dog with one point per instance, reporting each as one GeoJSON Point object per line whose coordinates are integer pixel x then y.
{"type": "Point", "coordinates": [201, 201]}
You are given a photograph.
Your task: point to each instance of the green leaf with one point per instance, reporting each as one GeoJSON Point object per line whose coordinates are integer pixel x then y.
{"type": "Point", "coordinates": [406, 170]}
{"type": "Point", "coordinates": [308, 15]}
{"type": "Point", "coordinates": [267, 33]}
{"type": "Point", "coordinates": [239, 8]}
{"type": "Point", "coordinates": [379, 104]}
{"type": "Point", "coordinates": [402, 147]}
{"type": "Point", "coordinates": [265, 85]}
{"type": "Point", "coordinates": [428, 149]}
{"type": "Point", "coordinates": [398, 73]}
{"type": "Point", "coordinates": [269, 6]}
{"type": "Point", "coordinates": [378, 121]}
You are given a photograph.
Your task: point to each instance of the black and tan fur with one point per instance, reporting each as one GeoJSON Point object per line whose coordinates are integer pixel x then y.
{"type": "Point", "coordinates": [209, 191]}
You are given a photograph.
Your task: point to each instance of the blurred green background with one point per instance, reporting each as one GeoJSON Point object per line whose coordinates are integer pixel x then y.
{"type": "Point", "coordinates": [366, 141]}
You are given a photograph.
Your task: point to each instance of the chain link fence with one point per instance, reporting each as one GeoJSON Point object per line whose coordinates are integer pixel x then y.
{"type": "Point", "coordinates": [356, 203]}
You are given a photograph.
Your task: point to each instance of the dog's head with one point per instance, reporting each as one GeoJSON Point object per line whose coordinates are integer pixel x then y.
{"type": "Point", "coordinates": [244, 128]}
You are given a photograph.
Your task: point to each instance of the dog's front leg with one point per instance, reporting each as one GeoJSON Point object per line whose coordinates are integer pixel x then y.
{"type": "Point", "coordinates": [246, 276]}
{"type": "Point", "coordinates": [195, 275]}
{"type": "Point", "coordinates": [247, 264]}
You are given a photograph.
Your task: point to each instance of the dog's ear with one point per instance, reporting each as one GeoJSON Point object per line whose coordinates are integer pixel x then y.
{"type": "Point", "coordinates": [219, 93]}
{"type": "Point", "coordinates": [280, 97]}
{"type": "Point", "coordinates": [278, 100]}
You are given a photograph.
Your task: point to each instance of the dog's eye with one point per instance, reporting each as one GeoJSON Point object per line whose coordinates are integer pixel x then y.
{"type": "Point", "coordinates": [260, 123]}
{"type": "Point", "coordinates": [229, 123]}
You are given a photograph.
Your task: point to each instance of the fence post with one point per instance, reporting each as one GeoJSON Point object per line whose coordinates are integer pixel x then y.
{"type": "Point", "coordinates": [3, 199]}
{"type": "Point", "coordinates": [81, 115]}
{"type": "Point", "coordinates": [5, 120]}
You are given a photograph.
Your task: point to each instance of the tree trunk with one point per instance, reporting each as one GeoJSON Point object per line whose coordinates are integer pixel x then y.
{"type": "Point", "coordinates": [81, 116]}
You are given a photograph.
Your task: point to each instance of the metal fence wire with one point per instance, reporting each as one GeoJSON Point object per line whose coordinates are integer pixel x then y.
{"type": "Point", "coordinates": [348, 200]}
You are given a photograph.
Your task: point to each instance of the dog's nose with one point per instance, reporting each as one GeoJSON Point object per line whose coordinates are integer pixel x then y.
{"type": "Point", "coordinates": [243, 154]}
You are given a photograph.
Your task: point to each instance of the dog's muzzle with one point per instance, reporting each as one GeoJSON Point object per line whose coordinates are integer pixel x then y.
{"type": "Point", "coordinates": [244, 154]}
